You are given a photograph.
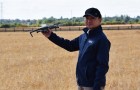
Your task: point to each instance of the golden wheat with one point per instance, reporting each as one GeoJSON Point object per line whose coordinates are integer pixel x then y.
{"type": "Point", "coordinates": [28, 63]}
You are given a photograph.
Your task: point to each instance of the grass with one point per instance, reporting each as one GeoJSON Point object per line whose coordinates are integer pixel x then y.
{"type": "Point", "coordinates": [28, 63]}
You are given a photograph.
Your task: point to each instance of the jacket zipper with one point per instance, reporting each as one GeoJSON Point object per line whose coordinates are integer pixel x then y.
{"type": "Point", "coordinates": [83, 47]}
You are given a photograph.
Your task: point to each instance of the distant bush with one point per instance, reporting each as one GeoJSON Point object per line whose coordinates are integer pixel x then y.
{"type": "Point", "coordinates": [5, 26]}
{"type": "Point", "coordinates": [74, 21]}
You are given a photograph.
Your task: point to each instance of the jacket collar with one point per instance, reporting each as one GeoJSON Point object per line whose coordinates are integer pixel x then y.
{"type": "Point", "coordinates": [94, 31]}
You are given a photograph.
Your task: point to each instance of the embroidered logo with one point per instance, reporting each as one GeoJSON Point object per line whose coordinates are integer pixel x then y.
{"type": "Point", "coordinates": [90, 41]}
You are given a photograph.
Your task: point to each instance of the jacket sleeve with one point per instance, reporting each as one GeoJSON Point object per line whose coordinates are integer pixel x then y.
{"type": "Point", "coordinates": [69, 45]}
{"type": "Point", "coordinates": [102, 67]}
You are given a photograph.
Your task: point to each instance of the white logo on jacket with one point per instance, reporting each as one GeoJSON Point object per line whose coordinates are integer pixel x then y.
{"type": "Point", "coordinates": [90, 41]}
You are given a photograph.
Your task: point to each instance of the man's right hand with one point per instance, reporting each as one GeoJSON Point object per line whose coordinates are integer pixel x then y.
{"type": "Point", "coordinates": [47, 33]}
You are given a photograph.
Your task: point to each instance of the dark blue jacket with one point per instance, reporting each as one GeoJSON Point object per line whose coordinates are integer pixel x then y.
{"type": "Point", "coordinates": [93, 59]}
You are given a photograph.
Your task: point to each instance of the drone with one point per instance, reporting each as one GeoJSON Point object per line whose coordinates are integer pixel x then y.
{"type": "Point", "coordinates": [44, 29]}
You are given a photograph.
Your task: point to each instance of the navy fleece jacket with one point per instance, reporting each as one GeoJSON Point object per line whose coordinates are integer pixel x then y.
{"type": "Point", "coordinates": [92, 64]}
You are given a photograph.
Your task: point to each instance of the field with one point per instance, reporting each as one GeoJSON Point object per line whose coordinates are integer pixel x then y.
{"type": "Point", "coordinates": [28, 63]}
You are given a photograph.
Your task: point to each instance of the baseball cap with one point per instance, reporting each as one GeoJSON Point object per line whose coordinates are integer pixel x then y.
{"type": "Point", "coordinates": [94, 12]}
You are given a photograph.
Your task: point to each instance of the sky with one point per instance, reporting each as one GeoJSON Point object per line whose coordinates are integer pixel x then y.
{"type": "Point", "coordinates": [38, 9]}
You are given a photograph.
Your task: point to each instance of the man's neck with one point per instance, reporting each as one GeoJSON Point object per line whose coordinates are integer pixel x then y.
{"type": "Point", "coordinates": [94, 28]}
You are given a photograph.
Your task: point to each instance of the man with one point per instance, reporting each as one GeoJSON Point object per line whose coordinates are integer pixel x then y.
{"type": "Point", "coordinates": [93, 46]}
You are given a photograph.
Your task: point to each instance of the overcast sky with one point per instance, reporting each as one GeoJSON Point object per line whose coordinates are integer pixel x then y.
{"type": "Point", "coordinates": [37, 9]}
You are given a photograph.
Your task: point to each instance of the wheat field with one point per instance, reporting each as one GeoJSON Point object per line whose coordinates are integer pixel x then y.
{"type": "Point", "coordinates": [28, 63]}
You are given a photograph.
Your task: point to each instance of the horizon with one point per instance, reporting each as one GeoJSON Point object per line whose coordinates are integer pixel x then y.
{"type": "Point", "coordinates": [67, 17]}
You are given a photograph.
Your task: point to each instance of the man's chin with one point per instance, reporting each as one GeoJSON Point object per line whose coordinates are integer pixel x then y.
{"type": "Point", "coordinates": [91, 27]}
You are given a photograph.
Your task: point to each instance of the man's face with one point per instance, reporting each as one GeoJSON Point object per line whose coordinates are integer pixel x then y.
{"type": "Point", "coordinates": [92, 22]}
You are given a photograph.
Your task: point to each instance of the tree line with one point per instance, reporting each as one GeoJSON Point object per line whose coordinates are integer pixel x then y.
{"type": "Point", "coordinates": [74, 21]}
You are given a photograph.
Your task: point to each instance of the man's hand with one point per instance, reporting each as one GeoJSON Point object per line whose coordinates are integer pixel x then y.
{"type": "Point", "coordinates": [47, 33]}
